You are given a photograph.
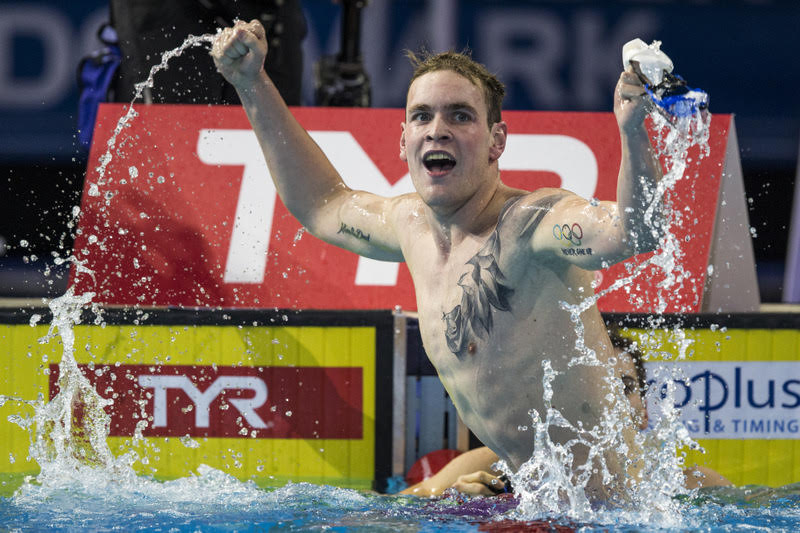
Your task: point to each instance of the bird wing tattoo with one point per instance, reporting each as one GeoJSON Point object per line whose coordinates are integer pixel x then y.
{"type": "Point", "coordinates": [484, 288]}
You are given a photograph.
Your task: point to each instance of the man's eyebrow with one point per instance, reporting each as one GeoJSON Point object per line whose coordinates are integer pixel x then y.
{"type": "Point", "coordinates": [419, 107]}
{"type": "Point", "coordinates": [461, 105]}
{"type": "Point", "coordinates": [449, 107]}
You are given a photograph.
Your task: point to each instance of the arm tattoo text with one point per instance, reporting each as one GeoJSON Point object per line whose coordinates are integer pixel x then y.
{"type": "Point", "coordinates": [355, 232]}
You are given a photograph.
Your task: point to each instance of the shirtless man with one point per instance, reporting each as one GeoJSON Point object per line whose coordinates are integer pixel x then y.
{"type": "Point", "coordinates": [490, 276]}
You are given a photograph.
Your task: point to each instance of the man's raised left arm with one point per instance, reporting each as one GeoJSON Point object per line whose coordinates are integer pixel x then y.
{"type": "Point", "coordinates": [595, 234]}
{"type": "Point", "coordinates": [639, 170]}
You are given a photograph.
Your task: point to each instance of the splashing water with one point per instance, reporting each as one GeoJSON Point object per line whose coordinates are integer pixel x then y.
{"type": "Point", "coordinates": [69, 433]}
{"type": "Point", "coordinates": [553, 482]}
{"type": "Point", "coordinates": [105, 159]}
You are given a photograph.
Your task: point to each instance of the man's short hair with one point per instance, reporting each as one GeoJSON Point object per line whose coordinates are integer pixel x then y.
{"type": "Point", "coordinates": [631, 348]}
{"type": "Point", "coordinates": [463, 64]}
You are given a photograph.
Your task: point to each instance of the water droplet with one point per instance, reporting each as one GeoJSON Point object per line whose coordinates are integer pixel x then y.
{"type": "Point", "coordinates": [189, 442]}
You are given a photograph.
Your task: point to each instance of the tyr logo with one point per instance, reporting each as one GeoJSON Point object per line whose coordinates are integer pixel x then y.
{"type": "Point", "coordinates": [202, 400]}
{"type": "Point", "coordinates": [268, 402]}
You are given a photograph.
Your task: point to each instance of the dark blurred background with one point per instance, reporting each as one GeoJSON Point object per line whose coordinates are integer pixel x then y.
{"type": "Point", "coordinates": [551, 55]}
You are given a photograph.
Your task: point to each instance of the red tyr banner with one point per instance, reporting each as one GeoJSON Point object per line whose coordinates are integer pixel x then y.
{"type": "Point", "coordinates": [185, 213]}
{"type": "Point", "coordinates": [229, 401]}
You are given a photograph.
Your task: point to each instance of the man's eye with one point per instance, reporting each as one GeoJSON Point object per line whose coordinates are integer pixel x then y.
{"type": "Point", "coordinates": [461, 116]}
{"type": "Point", "coordinates": [421, 115]}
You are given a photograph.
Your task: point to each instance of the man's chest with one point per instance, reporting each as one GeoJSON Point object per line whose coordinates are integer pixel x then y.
{"type": "Point", "coordinates": [463, 298]}
{"type": "Point", "coordinates": [439, 278]}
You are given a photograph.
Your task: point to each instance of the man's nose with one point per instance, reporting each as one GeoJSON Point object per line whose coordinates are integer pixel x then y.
{"type": "Point", "coordinates": [438, 129]}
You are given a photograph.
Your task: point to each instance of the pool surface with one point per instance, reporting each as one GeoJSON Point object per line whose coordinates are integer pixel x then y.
{"type": "Point", "coordinates": [214, 501]}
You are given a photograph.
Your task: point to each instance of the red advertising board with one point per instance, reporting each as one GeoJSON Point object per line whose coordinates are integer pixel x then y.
{"type": "Point", "coordinates": [185, 213]}
{"type": "Point", "coordinates": [229, 401]}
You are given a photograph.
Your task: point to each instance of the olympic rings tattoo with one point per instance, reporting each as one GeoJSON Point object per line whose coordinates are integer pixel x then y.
{"type": "Point", "coordinates": [572, 234]}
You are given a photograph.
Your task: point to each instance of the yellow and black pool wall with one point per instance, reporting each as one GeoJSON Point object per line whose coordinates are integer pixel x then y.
{"type": "Point", "coordinates": [385, 349]}
{"type": "Point", "coordinates": [740, 398]}
{"type": "Point", "coordinates": [213, 343]}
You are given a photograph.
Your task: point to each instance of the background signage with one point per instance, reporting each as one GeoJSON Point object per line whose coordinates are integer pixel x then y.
{"type": "Point", "coordinates": [308, 400]}
{"type": "Point", "coordinates": [185, 214]}
{"type": "Point", "coordinates": [230, 401]}
{"type": "Point", "coordinates": [733, 400]}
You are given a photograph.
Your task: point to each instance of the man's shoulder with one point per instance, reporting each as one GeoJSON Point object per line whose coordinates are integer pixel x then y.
{"type": "Point", "coordinates": [524, 215]}
{"type": "Point", "coordinates": [542, 198]}
{"type": "Point", "coordinates": [405, 205]}
{"type": "Point", "coordinates": [406, 213]}
{"type": "Point", "coordinates": [528, 208]}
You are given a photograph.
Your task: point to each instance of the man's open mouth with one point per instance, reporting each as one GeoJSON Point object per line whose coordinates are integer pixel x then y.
{"type": "Point", "coordinates": [438, 161]}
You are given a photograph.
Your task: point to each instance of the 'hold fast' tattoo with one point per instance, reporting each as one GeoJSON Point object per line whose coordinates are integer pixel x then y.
{"type": "Point", "coordinates": [483, 287]}
{"type": "Point", "coordinates": [355, 232]}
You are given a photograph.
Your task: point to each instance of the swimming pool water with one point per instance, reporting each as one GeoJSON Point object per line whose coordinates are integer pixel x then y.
{"type": "Point", "coordinates": [212, 500]}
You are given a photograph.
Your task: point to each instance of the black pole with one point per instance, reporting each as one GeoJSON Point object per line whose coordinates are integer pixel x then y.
{"type": "Point", "coordinates": [341, 80]}
{"type": "Point", "coordinates": [351, 31]}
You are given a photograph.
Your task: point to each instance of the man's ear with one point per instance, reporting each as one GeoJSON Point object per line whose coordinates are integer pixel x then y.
{"type": "Point", "coordinates": [499, 135]}
{"type": "Point", "coordinates": [403, 142]}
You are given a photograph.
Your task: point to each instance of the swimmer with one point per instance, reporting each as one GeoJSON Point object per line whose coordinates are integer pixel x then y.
{"type": "Point", "coordinates": [472, 472]}
{"type": "Point", "coordinates": [489, 268]}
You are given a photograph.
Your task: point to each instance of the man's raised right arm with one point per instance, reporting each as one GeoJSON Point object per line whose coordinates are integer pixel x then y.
{"type": "Point", "coordinates": [306, 181]}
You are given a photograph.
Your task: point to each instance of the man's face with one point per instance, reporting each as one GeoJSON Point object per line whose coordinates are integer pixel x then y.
{"type": "Point", "coordinates": [446, 140]}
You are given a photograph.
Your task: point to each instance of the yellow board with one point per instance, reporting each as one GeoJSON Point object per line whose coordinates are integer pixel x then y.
{"type": "Point", "coordinates": [341, 462]}
{"type": "Point", "coordinates": [773, 462]}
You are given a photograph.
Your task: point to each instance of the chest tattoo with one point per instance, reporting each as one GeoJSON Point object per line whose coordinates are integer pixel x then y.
{"type": "Point", "coordinates": [483, 287]}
